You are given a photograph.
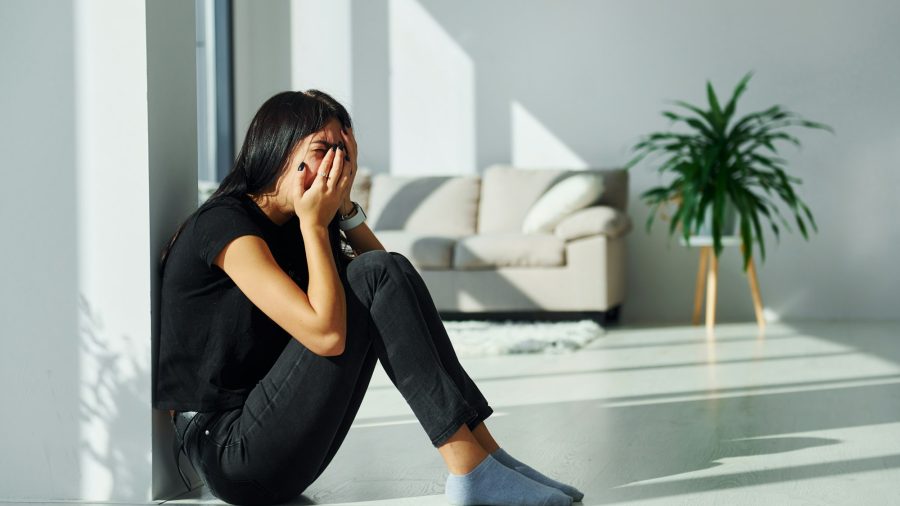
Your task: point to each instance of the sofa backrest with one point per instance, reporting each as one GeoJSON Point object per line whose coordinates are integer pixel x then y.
{"type": "Point", "coordinates": [440, 205]}
{"type": "Point", "coordinates": [507, 193]}
{"type": "Point", "coordinates": [497, 201]}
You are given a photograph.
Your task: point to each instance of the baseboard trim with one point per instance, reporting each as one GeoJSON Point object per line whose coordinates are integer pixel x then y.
{"type": "Point", "coordinates": [609, 317]}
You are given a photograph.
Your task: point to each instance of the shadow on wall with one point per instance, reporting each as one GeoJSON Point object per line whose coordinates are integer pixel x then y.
{"type": "Point", "coordinates": [499, 74]}
{"type": "Point", "coordinates": [113, 401]}
{"type": "Point", "coordinates": [397, 211]}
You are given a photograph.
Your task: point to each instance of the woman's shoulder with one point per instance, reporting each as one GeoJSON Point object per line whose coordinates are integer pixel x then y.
{"type": "Point", "coordinates": [226, 201]}
{"type": "Point", "coordinates": [217, 222]}
{"type": "Point", "coordinates": [226, 208]}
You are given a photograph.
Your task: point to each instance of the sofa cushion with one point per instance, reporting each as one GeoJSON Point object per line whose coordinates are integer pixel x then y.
{"type": "Point", "coordinates": [573, 192]}
{"type": "Point", "coordinates": [592, 221]}
{"type": "Point", "coordinates": [439, 205]}
{"type": "Point", "coordinates": [510, 249]}
{"type": "Point", "coordinates": [507, 193]}
{"type": "Point", "coordinates": [426, 251]}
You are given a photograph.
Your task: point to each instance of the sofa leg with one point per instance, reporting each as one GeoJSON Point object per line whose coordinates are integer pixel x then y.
{"type": "Point", "coordinates": [611, 316]}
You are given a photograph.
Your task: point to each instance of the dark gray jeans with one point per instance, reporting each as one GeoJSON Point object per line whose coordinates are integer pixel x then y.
{"type": "Point", "coordinates": [295, 419]}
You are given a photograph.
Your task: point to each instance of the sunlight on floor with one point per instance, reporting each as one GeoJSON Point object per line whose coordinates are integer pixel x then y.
{"type": "Point", "coordinates": [806, 414]}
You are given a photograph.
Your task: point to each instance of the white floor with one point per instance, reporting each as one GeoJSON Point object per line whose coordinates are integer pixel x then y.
{"type": "Point", "coordinates": [809, 413]}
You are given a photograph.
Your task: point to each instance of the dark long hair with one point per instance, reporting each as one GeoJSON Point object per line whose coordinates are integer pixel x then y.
{"type": "Point", "coordinates": [279, 125]}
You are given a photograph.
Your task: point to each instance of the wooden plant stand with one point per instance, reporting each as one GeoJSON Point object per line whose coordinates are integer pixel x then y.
{"type": "Point", "coordinates": [707, 275]}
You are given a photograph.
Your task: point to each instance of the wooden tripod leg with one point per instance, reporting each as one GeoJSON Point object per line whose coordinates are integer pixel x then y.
{"type": "Point", "coordinates": [711, 290]}
{"type": "Point", "coordinates": [754, 292]}
{"type": "Point", "coordinates": [698, 289]}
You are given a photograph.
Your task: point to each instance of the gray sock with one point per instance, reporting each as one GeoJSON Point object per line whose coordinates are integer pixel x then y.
{"type": "Point", "coordinates": [493, 484]}
{"type": "Point", "coordinates": [508, 461]}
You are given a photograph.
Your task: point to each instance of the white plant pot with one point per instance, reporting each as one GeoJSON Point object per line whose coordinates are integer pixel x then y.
{"type": "Point", "coordinates": [729, 222]}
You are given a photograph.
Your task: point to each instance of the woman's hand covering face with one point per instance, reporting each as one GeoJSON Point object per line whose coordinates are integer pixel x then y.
{"type": "Point", "coordinates": [350, 162]}
{"type": "Point", "coordinates": [318, 204]}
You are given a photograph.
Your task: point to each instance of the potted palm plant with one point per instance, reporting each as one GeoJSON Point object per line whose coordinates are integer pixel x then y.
{"type": "Point", "coordinates": [726, 166]}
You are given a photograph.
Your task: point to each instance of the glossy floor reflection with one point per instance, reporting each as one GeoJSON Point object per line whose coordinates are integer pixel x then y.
{"type": "Point", "coordinates": [808, 413]}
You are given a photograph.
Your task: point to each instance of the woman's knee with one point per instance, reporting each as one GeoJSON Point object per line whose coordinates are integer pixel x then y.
{"type": "Point", "coordinates": [374, 261]}
{"type": "Point", "coordinates": [367, 272]}
{"type": "Point", "coordinates": [404, 263]}
{"type": "Point", "coordinates": [400, 258]}
{"type": "Point", "coordinates": [370, 258]}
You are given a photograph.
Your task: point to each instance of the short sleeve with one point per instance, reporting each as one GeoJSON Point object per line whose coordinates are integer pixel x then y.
{"type": "Point", "coordinates": [220, 224]}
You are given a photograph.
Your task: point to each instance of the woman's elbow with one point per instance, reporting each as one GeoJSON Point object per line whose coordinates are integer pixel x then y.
{"type": "Point", "coordinates": [330, 345]}
{"type": "Point", "coordinates": [337, 346]}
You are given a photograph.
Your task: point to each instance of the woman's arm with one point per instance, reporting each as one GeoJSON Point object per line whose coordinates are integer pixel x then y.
{"type": "Point", "coordinates": [325, 291]}
{"type": "Point", "coordinates": [315, 318]}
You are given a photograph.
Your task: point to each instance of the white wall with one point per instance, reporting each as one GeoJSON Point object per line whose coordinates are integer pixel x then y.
{"type": "Point", "coordinates": [282, 45]}
{"type": "Point", "coordinates": [312, 66]}
{"type": "Point", "coordinates": [39, 276]}
{"type": "Point", "coordinates": [456, 86]}
{"type": "Point", "coordinates": [586, 79]}
{"type": "Point", "coordinates": [262, 56]}
{"type": "Point", "coordinates": [95, 182]}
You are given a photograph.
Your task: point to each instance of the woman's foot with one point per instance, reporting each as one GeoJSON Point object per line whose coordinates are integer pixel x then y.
{"type": "Point", "coordinates": [493, 484]}
{"type": "Point", "coordinates": [507, 460]}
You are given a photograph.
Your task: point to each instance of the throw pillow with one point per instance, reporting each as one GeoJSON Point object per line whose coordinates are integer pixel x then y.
{"type": "Point", "coordinates": [562, 199]}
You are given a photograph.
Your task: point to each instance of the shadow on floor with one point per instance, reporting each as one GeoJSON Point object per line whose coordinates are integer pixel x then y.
{"type": "Point", "coordinates": [611, 449]}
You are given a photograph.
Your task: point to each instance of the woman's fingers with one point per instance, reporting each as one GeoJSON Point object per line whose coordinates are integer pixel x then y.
{"type": "Point", "coordinates": [324, 167]}
{"type": "Point", "coordinates": [300, 174]}
{"type": "Point", "coordinates": [337, 167]}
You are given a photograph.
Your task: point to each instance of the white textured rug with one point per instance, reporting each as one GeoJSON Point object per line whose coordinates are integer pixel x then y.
{"type": "Point", "coordinates": [478, 338]}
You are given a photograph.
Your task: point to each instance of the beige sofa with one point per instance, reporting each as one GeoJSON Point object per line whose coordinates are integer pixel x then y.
{"type": "Point", "coordinates": [464, 235]}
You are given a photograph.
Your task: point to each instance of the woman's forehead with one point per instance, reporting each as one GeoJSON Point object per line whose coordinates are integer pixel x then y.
{"type": "Point", "coordinates": [330, 133]}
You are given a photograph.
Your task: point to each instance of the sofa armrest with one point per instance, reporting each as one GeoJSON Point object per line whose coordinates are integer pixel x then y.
{"type": "Point", "coordinates": [592, 221]}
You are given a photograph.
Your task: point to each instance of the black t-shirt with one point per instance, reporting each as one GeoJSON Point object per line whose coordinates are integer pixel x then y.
{"type": "Point", "coordinates": [214, 344]}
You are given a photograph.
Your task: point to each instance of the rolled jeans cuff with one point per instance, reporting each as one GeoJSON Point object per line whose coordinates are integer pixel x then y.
{"type": "Point", "coordinates": [465, 416]}
{"type": "Point", "coordinates": [483, 412]}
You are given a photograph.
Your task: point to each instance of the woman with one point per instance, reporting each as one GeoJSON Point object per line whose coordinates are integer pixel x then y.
{"type": "Point", "coordinates": [271, 326]}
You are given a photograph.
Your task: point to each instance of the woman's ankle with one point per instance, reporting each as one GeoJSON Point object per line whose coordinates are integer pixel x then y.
{"type": "Point", "coordinates": [462, 453]}
{"type": "Point", "coordinates": [484, 438]}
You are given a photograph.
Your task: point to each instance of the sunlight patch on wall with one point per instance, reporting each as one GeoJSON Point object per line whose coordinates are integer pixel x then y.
{"type": "Point", "coordinates": [432, 95]}
{"type": "Point", "coordinates": [321, 48]}
{"type": "Point", "coordinates": [535, 146]}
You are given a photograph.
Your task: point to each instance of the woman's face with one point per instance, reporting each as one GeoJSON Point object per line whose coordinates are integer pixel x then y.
{"type": "Point", "coordinates": [312, 149]}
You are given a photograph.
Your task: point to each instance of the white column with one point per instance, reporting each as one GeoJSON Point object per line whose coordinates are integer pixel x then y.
{"type": "Point", "coordinates": [97, 177]}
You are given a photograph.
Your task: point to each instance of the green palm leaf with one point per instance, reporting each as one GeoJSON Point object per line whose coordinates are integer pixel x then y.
{"type": "Point", "coordinates": [727, 159]}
